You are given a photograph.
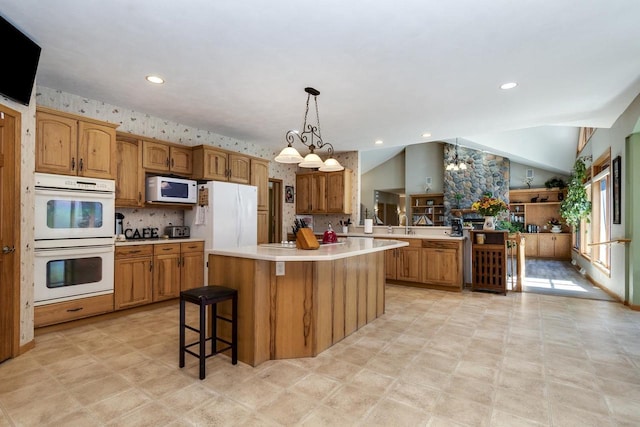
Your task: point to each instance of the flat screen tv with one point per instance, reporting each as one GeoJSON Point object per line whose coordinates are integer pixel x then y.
{"type": "Point", "coordinates": [19, 63]}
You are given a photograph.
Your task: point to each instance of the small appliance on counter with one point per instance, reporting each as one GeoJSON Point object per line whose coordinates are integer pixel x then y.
{"type": "Point", "coordinates": [330, 236]}
{"type": "Point", "coordinates": [177, 231]}
{"type": "Point", "coordinates": [456, 227]}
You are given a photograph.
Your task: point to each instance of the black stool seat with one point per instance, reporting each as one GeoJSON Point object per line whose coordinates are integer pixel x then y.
{"type": "Point", "coordinates": [209, 296]}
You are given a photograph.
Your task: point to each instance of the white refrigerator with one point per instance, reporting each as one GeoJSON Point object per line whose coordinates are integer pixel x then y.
{"type": "Point", "coordinates": [226, 218]}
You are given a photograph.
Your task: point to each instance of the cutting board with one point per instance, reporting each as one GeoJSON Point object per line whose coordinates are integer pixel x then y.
{"type": "Point", "coordinates": [305, 239]}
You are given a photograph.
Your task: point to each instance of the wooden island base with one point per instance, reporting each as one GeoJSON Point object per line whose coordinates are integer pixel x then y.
{"type": "Point", "coordinates": [312, 306]}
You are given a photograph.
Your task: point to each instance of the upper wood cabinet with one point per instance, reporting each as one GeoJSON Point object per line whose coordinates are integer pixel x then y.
{"type": "Point", "coordinates": [164, 157]}
{"type": "Point", "coordinates": [260, 178]}
{"type": "Point", "coordinates": [221, 165]}
{"type": "Point", "coordinates": [71, 145]}
{"type": "Point", "coordinates": [239, 168]}
{"type": "Point", "coordinates": [323, 192]}
{"type": "Point", "coordinates": [130, 185]}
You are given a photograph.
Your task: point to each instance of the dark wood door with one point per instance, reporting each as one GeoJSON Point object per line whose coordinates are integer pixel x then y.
{"type": "Point", "coordinates": [9, 235]}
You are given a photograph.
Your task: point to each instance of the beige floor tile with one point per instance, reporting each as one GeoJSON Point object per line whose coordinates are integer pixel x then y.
{"type": "Point", "coordinates": [391, 413]}
{"type": "Point", "coordinates": [151, 414]}
{"type": "Point", "coordinates": [462, 410]}
{"type": "Point", "coordinates": [352, 400]}
{"type": "Point", "coordinates": [218, 411]}
{"type": "Point", "coordinates": [452, 359]}
{"type": "Point", "coordinates": [119, 405]}
{"type": "Point", "coordinates": [289, 408]}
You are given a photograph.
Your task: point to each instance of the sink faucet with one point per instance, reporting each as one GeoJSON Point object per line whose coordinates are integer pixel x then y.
{"type": "Point", "coordinates": [408, 230]}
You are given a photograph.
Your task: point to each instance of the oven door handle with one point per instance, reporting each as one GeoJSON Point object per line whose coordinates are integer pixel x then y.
{"type": "Point", "coordinates": [47, 191]}
{"type": "Point", "coordinates": [73, 250]}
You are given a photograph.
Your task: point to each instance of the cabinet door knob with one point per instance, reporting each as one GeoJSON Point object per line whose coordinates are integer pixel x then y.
{"type": "Point", "coordinates": [80, 165]}
{"type": "Point", "coordinates": [73, 163]}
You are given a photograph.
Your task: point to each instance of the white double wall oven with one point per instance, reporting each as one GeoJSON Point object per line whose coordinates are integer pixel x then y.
{"type": "Point", "coordinates": [74, 237]}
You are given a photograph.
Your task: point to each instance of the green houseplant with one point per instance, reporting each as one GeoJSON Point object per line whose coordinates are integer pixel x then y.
{"type": "Point", "coordinates": [576, 206]}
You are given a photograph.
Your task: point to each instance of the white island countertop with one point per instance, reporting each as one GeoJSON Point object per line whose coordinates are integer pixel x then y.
{"type": "Point", "coordinates": [349, 247]}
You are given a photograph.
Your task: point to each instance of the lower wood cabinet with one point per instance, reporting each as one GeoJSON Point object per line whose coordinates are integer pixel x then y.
{"type": "Point", "coordinates": [191, 265]}
{"type": "Point", "coordinates": [554, 245]}
{"type": "Point", "coordinates": [442, 263]}
{"type": "Point", "coordinates": [404, 263]}
{"type": "Point", "coordinates": [60, 312]}
{"type": "Point", "coordinates": [429, 262]}
{"type": "Point", "coordinates": [154, 272]}
{"type": "Point", "coordinates": [547, 245]}
{"type": "Point", "coordinates": [133, 276]}
{"type": "Point", "coordinates": [489, 261]}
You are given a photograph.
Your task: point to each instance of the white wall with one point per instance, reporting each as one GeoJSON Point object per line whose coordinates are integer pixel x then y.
{"type": "Point", "coordinates": [389, 175]}
{"type": "Point", "coordinates": [518, 172]}
{"type": "Point", "coordinates": [600, 142]}
{"type": "Point", "coordinates": [422, 161]}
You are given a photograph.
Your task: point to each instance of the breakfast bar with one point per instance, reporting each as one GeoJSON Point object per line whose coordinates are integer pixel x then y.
{"type": "Point", "coordinates": [297, 303]}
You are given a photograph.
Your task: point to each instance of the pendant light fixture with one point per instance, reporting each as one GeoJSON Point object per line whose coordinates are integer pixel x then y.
{"type": "Point", "coordinates": [456, 164]}
{"type": "Point", "coordinates": [311, 137]}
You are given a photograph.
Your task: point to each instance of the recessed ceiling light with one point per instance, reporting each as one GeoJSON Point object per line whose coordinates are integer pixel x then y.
{"type": "Point", "coordinates": [155, 79]}
{"type": "Point", "coordinates": [379, 142]}
{"type": "Point", "coordinates": [509, 85]}
{"type": "Point", "coordinates": [426, 135]}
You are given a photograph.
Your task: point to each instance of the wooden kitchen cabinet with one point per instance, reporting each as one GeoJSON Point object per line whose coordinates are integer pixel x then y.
{"type": "Point", "coordinates": [323, 192]}
{"type": "Point", "coordinates": [133, 276]}
{"type": "Point", "coordinates": [530, 244]}
{"type": "Point", "coordinates": [404, 263]}
{"type": "Point", "coordinates": [311, 193]}
{"type": "Point", "coordinates": [442, 263]}
{"type": "Point", "coordinates": [339, 192]}
{"type": "Point", "coordinates": [554, 245]}
{"type": "Point", "coordinates": [191, 265]}
{"type": "Point", "coordinates": [165, 157]}
{"type": "Point", "coordinates": [72, 145]}
{"type": "Point", "coordinates": [130, 185]}
{"type": "Point", "coordinates": [51, 314]}
{"type": "Point", "coordinates": [166, 271]}
{"type": "Point", "coordinates": [260, 178]}
{"type": "Point", "coordinates": [489, 261]}
{"type": "Point", "coordinates": [263, 227]}
{"type": "Point", "coordinates": [220, 165]}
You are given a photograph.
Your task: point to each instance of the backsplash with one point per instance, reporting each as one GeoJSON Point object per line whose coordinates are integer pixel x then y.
{"type": "Point", "coordinates": [138, 219]}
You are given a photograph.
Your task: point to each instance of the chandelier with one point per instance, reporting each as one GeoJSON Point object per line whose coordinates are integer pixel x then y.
{"type": "Point", "coordinates": [310, 136]}
{"type": "Point", "coordinates": [456, 164]}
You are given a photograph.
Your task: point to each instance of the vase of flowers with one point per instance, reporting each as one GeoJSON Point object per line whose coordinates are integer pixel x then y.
{"type": "Point", "coordinates": [489, 207]}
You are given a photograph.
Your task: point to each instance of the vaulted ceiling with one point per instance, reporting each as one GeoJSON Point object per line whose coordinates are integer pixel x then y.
{"type": "Point", "coordinates": [386, 70]}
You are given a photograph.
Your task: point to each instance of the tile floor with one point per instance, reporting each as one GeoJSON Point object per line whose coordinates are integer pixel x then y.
{"type": "Point", "coordinates": [433, 359]}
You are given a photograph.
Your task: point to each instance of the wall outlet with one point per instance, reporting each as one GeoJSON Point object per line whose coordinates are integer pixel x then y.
{"type": "Point", "coordinates": [279, 268]}
{"type": "Point", "coordinates": [429, 181]}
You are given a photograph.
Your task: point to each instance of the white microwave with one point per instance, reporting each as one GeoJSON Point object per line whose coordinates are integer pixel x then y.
{"type": "Point", "coordinates": [171, 190]}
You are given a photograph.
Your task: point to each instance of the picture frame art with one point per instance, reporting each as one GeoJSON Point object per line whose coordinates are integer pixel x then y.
{"type": "Point", "coordinates": [288, 194]}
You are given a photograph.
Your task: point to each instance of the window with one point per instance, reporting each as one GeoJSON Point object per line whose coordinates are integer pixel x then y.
{"type": "Point", "coordinates": [601, 211]}
{"type": "Point", "coordinates": [583, 234]}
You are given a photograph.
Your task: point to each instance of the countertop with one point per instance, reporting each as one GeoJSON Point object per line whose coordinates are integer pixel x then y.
{"type": "Point", "coordinates": [401, 236]}
{"type": "Point", "coordinates": [157, 241]}
{"type": "Point", "coordinates": [351, 246]}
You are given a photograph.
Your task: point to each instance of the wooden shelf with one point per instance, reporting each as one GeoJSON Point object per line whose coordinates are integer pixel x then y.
{"type": "Point", "coordinates": [427, 209]}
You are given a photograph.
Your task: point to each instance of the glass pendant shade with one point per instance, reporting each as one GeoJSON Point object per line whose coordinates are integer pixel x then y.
{"type": "Point", "coordinates": [331, 165]}
{"type": "Point", "coordinates": [289, 155]}
{"type": "Point", "coordinates": [311, 160]}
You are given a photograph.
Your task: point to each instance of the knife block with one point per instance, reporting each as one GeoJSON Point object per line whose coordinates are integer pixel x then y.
{"type": "Point", "coordinates": [305, 239]}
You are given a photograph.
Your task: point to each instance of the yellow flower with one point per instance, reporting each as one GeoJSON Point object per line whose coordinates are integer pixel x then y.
{"type": "Point", "coordinates": [489, 206]}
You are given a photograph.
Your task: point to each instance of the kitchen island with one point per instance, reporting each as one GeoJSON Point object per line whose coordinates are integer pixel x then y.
{"type": "Point", "coordinates": [297, 303]}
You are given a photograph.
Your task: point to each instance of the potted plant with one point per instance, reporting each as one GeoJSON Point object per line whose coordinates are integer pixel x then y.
{"type": "Point", "coordinates": [458, 197]}
{"type": "Point", "coordinates": [576, 205]}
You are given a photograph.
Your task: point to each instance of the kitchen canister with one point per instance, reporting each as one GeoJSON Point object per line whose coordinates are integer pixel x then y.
{"type": "Point", "coordinates": [368, 226]}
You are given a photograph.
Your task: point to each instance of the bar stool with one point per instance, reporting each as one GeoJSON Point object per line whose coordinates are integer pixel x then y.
{"type": "Point", "coordinates": [209, 296]}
